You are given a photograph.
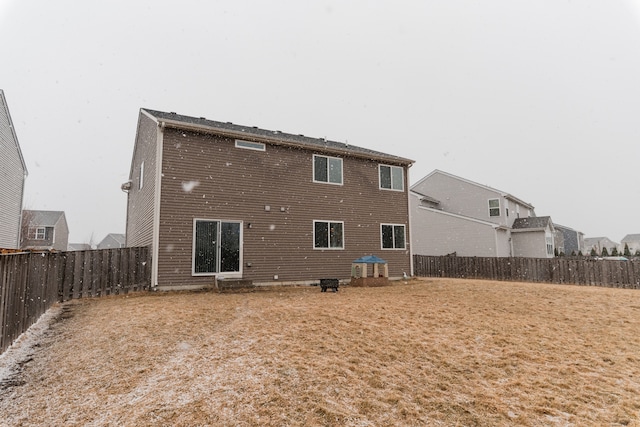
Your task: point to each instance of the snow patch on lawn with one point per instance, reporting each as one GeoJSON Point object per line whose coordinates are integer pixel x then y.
{"type": "Point", "coordinates": [23, 348]}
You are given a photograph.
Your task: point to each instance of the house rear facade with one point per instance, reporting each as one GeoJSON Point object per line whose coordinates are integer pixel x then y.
{"type": "Point", "coordinates": [220, 201]}
{"type": "Point", "coordinates": [454, 215]}
{"type": "Point", "coordinates": [13, 172]}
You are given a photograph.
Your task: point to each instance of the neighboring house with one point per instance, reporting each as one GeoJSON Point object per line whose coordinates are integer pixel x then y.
{"type": "Point", "coordinates": [44, 230]}
{"type": "Point", "coordinates": [13, 172]}
{"type": "Point", "coordinates": [112, 241]}
{"type": "Point", "coordinates": [568, 240]}
{"type": "Point", "coordinates": [79, 247]}
{"type": "Point", "coordinates": [632, 241]}
{"type": "Point", "coordinates": [450, 214]}
{"type": "Point", "coordinates": [598, 244]}
{"type": "Point", "coordinates": [222, 201]}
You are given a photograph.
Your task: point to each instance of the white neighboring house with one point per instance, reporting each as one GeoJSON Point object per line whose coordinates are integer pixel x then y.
{"type": "Point", "coordinates": [112, 241]}
{"type": "Point", "coordinates": [632, 241]}
{"type": "Point", "coordinates": [450, 214]}
{"type": "Point", "coordinates": [598, 244]}
{"type": "Point", "coordinates": [13, 172]}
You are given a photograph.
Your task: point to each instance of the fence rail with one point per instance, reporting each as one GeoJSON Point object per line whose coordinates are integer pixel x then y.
{"type": "Point", "coordinates": [30, 283]}
{"type": "Point", "coordinates": [579, 271]}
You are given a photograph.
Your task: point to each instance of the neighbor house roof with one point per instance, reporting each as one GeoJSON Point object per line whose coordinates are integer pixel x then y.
{"type": "Point", "coordinates": [43, 218]}
{"type": "Point", "coordinates": [531, 222]}
{"type": "Point", "coordinates": [631, 238]}
{"type": "Point", "coordinates": [201, 124]}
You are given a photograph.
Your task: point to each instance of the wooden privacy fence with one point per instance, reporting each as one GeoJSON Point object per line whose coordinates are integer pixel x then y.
{"type": "Point", "coordinates": [579, 271]}
{"type": "Point", "coordinates": [30, 283]}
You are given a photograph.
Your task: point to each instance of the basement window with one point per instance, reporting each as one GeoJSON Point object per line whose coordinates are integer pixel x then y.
{"type": "Point", "coordinates": [250, 145]}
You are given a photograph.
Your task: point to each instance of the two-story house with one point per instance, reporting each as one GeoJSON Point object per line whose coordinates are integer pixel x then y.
{"type": "Point", "coordinates": [44, 230]}
{"type": "Point", "coordinates": [450, 214]}
{"type": "Point", "coordinates": [13, 172]}
{"type": "Point", "coordinates": [568, 241]}
{"type": "Point", "coordinates": [223, 201]}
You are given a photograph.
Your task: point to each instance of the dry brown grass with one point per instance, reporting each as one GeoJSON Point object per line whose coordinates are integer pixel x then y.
{"type": "Point", "coordinates": [430, 352]}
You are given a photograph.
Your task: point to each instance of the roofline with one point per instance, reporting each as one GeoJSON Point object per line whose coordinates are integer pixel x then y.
{"type": "Point", "coordinates": [177, 124]}
{"type": "Point", "coordinates": [468, 181]}
{"type": "Point", "coordinates": [466, 218]}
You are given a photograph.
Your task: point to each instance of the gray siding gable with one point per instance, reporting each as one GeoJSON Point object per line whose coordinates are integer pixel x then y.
{"type": "Point", "coordinates": [13, 172]}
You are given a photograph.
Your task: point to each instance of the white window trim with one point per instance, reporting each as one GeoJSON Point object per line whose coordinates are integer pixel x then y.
{"type": "Point", "coordinates": [327, 181]}
{"type": "Point", "coordinates": [392, 167]}
{"type": "Point", "coordinates": [250, 145]}
{"type": "Point", "coordinates": [498, 207]}
{"type": "Point", "coordinates": [404, 226]}
{"type": "Point", "coordinates": [232, 275]}
{"type": "Point", "coordinates": [44, 233]}
{"type": "Point", "coordinates": [141, 177]}
{"type": "Point", "coordinates": [329, 248]}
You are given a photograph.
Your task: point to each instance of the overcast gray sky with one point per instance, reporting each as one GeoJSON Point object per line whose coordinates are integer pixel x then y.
{"type": "Point", "coordinates": [537, 98]}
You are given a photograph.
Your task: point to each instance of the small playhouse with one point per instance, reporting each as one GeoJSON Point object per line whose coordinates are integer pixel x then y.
{"type": "Point", "coordinates": [369, 270]}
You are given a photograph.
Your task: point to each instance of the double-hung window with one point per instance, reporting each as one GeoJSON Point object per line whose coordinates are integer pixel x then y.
{"type": "Point", "coordinates": [391, 177]}
{"type": "Point", "coordinates": [328, 235]}
{"type": "Point", "coordinates": [327, 169]}
{"type": "Point", "coordinates": [41, 233]}
{"type": "Point", "coordinates": [494, 207]}
{"type": "Point", "coordinates": [216, 247]}
{"type": "Point", "coordinates": [393, 236]}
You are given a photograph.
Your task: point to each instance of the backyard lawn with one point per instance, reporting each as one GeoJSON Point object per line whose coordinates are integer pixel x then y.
{"type": "Point", "coordinates": [429, 352]}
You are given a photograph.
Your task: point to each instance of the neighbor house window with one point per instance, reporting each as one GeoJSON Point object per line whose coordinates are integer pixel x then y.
{"type": "Point", "coordinates": [549, 245]}
{"type": "Point", "coordinates": [393, 236]}
{"type": "Point", "coordinates": [391, 177]}
{"type": "Point", "coordinates": [328, 235]}
{"type": "Point", "coordinates": [141, 176]}
{"type": "Point", "coordinates": [250, 145]}
{"type": "Point", "coordinates": [327, 169]}
{"type": "Point", "coordinates": [216, 247]}
{"type": "Point", "coordinates": [494, 207]}
{"type": "Point", "coordinates": [41, 233]}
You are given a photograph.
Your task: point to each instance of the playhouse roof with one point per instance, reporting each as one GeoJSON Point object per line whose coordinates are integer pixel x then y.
{"type": "Point", "coordinates": [369, 259]}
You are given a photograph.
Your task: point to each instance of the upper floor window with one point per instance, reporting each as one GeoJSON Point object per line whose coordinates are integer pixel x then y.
{"type": "Point", "coordinates": [391, 177]}
{"type": "Point", "coordinates": [393, 236]}
{"type": "Point", "coordinates": [327, 169]}
{"type": "Point", "coordinates": [40, 233]}
{"type": "Point", "coordinates": [250, 145]}
{"type": "Point", "coordinates": [328, 235]}
{"type": "Point", "coordinates": [494, 207]}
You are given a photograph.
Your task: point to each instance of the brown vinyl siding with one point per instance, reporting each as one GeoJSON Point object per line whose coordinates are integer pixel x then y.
{"type": "Point", "coordinates": [12, 175]}
{"type": "Point", "coordinates": [140, 202]}
{"type": "Point", "coordinates": [235, 184]}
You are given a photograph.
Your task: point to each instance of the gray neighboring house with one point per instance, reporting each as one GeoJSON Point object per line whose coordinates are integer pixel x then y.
{"type": "Point", "coordinates": [598, 244]}
{"type": "Point", "coordinates": [632, 241]}
{"type": "Point", "coordinates": [218, 200]}
{"type": "Point", "coordinates": [112, 241]}
{"type": "Point", "coordinates": [44, 231]}
{"type": "Point", "coordinates": [13, 172]}
{"type": "Point", "coordinates": [569, 241]}
{"type": "Point", "coordinates": [450, 214]}
{"type": "Point", "coordinates": [79, 247]}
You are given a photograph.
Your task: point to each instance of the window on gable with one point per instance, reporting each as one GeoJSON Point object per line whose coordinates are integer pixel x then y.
{"type": "Point", "coordinates": [216, 247]}
{"type": "Point", "coordinates": [494, 207]}
{"type": "Point", "coordinates": [328, 235]}
{"type": "Point", "coordinates": [393, 236]}
{"type": "Point", "coordinates": [391, 177]}
{"type": "Point", "coordinates": [327, 169]}
{"type": "Point", "coordinates": [41, 233]}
